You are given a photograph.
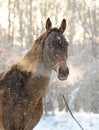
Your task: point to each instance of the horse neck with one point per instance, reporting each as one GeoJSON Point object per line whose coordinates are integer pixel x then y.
{"type": "Point", "coordinates": [33, 61]}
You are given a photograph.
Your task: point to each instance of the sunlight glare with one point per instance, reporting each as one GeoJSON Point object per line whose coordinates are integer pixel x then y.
{"type": "Point", "coordinates": [4, 16]}
{"type": "Point", "coordinates": [88, 2]}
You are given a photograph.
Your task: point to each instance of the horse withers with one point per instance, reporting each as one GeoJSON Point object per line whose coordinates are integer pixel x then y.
{"type": "Point", "coordinates": [25, 82]}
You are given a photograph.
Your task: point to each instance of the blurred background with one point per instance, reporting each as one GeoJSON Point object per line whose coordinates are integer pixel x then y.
{"type": "Point", "coordinates": [22, 21]}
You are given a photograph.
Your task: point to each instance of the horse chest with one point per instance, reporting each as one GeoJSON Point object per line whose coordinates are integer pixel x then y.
{"type": "Point", "coordinates": [36, 87]}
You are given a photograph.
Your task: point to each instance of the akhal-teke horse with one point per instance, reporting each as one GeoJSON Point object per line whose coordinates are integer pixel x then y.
{"type": "Point", "coordinates": [24, 83]}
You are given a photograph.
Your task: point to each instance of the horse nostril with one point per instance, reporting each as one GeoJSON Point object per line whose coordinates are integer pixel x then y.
{"type": "Point", "coordinates": [67, 71]}
{"type": "Point", "coordinates": [64, 71]}
{"type": "Point", "coordinates": [60, 70]}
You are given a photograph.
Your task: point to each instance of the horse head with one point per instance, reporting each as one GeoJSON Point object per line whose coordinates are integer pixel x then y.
{"type": "Point", "coordinates": [55, 49]}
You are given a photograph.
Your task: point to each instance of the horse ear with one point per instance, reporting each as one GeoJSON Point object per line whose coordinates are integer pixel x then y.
{"type": "Point", "coordinates": [63, 26]}
{"type": "Point", "coordinates": [48, 25]}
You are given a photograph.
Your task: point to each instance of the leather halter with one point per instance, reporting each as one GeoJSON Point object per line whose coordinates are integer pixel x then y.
{"type": "Point", "coordinates": [45, 47]}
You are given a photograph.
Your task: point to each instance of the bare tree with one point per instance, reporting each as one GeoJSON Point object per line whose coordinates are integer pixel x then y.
{"type": "Point", "coordinates": [9, 27]}
{"type": "Point", "coordinates": [87, 18]}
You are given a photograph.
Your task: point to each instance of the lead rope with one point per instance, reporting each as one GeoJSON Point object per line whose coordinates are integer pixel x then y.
{"type": "Point", "coordinates": [65, 99]}
{"type": "Point", "coordinates": [70, 111]}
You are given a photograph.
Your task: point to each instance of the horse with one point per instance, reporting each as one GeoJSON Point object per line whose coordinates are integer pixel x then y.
{"type": "Point", "coordinates": [24, 83]}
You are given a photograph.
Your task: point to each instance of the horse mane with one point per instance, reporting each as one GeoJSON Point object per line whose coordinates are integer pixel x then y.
{"type": "Point", "coordinates": [40, 37]}
{"type": "Point", "coordinates": [29, 61]}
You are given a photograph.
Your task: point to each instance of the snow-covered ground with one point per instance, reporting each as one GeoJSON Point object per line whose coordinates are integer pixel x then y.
{"type": "Point", "coordinates": [89, 121]}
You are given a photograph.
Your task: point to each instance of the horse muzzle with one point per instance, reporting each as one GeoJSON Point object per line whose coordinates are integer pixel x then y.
{"type": "Point", "coordinates": [63, 72]}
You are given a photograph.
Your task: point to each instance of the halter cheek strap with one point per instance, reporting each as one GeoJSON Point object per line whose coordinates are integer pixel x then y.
{"type": "Point", "coordinates": [46, 54]}
{"type": "Point", "coordinates": [45, 48]}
